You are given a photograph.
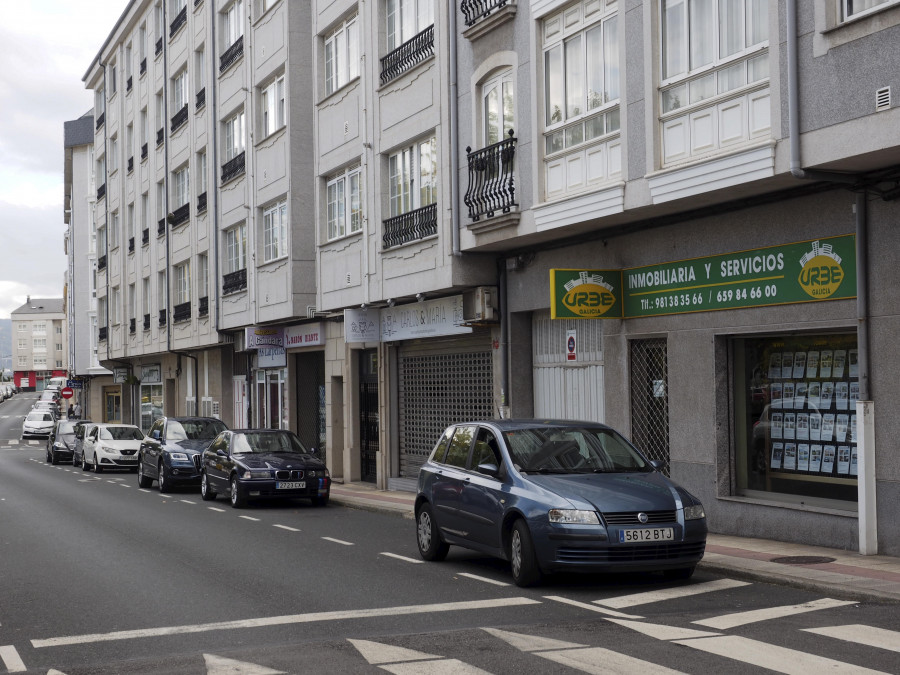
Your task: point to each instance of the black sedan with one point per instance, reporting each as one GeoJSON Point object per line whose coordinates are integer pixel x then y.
{"type": "Point", "coordinates": [61, 442]}
{"type": "Point", "coordinates": [251, 464]}
{"type": "Point", "coordinates": [170, 453]}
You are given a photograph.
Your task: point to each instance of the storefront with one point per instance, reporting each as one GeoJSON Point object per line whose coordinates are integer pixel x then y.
{"type": "Point", "coordinates": [305, 345]}
{"type": "Point", "coordinates": [151, 392]}
{"type": "Point", "coordinates": [269, 376]}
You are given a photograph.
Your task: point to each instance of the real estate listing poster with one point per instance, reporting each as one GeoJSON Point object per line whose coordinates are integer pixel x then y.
{"type": "Point", "coordinates": [815, 458]}
{"type": "Point", "coordinates": [803, 426]}
{"type": "Point", "coordinates": [854, 363]}
{"type": "Point", "coordinates": [777, 425]}
{"type": "Point", "coordinates": [788, 395]}
{"type": "Point", "coordinates": [841, 395]}
{"type": "Point", "coordinates": [853, 458]}
{"type": "Point", "coordinates": [837, 367]}
{"type": "Point", "coordinates": [790, 457]}
{"type": "Point", "coordinates": [853, 428]}
{"type": "Point", "coordinates": [840, 428]}
{"type": "Point", "coordinates": [800, 395]}
{"type": "Point", "coordinates": [812, 365]}
{"type": "Point", "coordinates": [827, 393]}
{"type": "Point", "coordinates": [787, 365]}
{"type": "Point", "coordinates": [854, 394]}
{"type": "Point", "coordinates": [813, 394]}
{"type": "Point", "coordinates": [803, 457]}
{"type": "Point", "coordinates": [775, 394]}
{"type": "Point", "coordinates": [843, 460]}
{"type": "Point", "coordinates": [828, 459]}
{"type": "Point", "coordinates": [799, 365]}
{"type": "Point", "coordinates": [790, 425]}
{"type": "Point", "coordinates": [775, 366]}
{"type": "Point", "coordinates": [827, 426]}
{"type": "Point", "coordinates": [777, 452]}
{"type": "Point", "coordinates": [825, 361]}
{"type": "Point", "coordinates": [815, 427]}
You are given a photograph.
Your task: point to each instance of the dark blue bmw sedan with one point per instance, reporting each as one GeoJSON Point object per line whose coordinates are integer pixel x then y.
{"type": "Point", "coordinates": [553, 496]}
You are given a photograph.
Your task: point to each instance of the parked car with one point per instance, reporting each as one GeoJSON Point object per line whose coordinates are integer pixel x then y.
{"type": "Point", "coordinates": [251, 464]}
{"type": "Point", "coordinates": [554, 496]}
{"type": "Point", "coordinates": [171, 451]}
{"type": "Point", "coordinates": [81, 428]}
{"type": "Point", "coordinates": [61, 442]}
{"type": "Point", "coordinates": [46, 406]}
{"type": "Point", "coordinates": [111, 446]}
{"type": "Point", "coordinates": [38, 423]}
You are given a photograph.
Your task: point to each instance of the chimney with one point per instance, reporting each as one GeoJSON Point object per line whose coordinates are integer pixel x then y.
{"type": "Point", "coordinates": [27, 299]}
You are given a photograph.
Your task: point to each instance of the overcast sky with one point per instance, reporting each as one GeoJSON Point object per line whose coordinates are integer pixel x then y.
{"type": "Point", "coordinates": [46, 46]}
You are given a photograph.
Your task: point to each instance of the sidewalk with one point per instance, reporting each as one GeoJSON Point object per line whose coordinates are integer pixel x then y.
{"type": "Point", "coordinates": [837, 573]}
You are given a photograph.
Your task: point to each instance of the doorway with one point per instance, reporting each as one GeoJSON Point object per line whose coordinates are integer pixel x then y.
{"type": "Point", "coordinates": [368, 414]}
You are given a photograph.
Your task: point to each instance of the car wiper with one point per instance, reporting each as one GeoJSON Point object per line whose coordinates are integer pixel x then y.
{"type": "Point", "coordinates": [548, 470]}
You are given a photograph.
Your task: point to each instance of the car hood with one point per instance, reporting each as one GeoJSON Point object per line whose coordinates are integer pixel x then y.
{"type": "Point", "coordinates": [121, 445]}
{"type": "Point", "coordinates": [66, 439]}
{"type": "Point", "coordinates": [612, 492]}
{"type": "Point", "coordinates": [187, 446]}
{"type": "Point", "coordinates": [279, 460]}
{"type": "Point", "coordinates": [39, 424]}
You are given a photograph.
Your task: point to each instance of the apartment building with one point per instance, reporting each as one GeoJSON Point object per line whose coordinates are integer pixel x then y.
{"type": "Point", "coordinates": [39, 342]}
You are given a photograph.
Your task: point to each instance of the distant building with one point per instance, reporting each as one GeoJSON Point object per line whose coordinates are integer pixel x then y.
{"type": "Point", "coordinates": [40, 342]}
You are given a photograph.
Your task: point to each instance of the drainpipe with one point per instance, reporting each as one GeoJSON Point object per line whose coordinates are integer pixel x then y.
{"type": "Point", "coordinates": [215, 166]}
{"type": "Point", "coordinates": [454, 135]}
{"type": "Point", "coordinates": [165, 56]}
{"type": "Point", "coordinates": [105, 207]}
{"type": "Point", "coordinates": [504, 341]}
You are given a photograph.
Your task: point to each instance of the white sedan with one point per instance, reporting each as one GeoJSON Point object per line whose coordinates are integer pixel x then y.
{"type": "Point", "coordinates": [111, 446]}
{"type": "Point", "coordinates": [38, 423]}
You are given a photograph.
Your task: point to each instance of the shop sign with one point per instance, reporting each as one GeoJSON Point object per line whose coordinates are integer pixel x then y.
{"type": "Point", "coordinates": [74, 384]}
{"type": "Point", "coordinates": [571, 345]}
{"type": "Point", "coordinates": [263, 336]}
{"type": "Point", "coordinates": [431, 318]}
{"type": "Point", "coordinates": [151, 374]}
{"type": "Point", "coordinates": [271, 357]}
{"type": "Point", "coordinates": [120, 375]}
{"type": "Point", "coordinates": [362, 325]}
{"type": "Point", "coordinates": [304, 335]}
{"type": "Point", "coordinates": [585, 294]}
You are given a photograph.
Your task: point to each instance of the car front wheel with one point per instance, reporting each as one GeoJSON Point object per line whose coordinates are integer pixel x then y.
{"type": "Point", "coordinates": [206, 491]}
{"type": "Point", "coordinates": [523, 563]}
{"type": "Point", "coordinates": [84, 464]}
{"type": "Point", "coordinates": [163, 478]}
{"type": "Point", "coordinates": [54, 458]}
{"type": "Point", "coordinates": [143, 481]}
{"type": "Point", "coordinates": [96, 465]}
{"type": "Point", "coordinates": [427, 536]}
{"type": "Point", "coordinates": [238, 501]}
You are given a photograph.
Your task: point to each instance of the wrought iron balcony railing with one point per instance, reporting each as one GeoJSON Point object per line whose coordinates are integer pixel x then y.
{"type": "Point", "coordinates": [146, 322]}
{"type": "Point", "coordinates": [145, 237]}
{"type": "Point", "coordinates": [491, 180]}
{"type": "Point", "coordinates": [101, 263]}
{"type": "Point", "coordinates": [410, 226]}
{"type": "Point", "coordinates": [232, 54]}
{"type": "Point", "coordinates": [162, 317]}
{"type": "Point", "coordinates": [201, 99]}
{"type": "Point", "coordinates": [234, 281]}
{"type": "Point", "coordinates": [160, 136]}
{"type": "Point", "coordinates": [181, 215]}
{"type": "Point", "coordinates": [407, 55]}
{"type": "Point", "coordinates": [203, 306]}
{"type": "Point", "coordinates": [132, 326]}
{"type": "Point", "coordinates": [473, 10]}
{"type": "Point", "coordinates": [178, 22]}
{"type": "Point", "coordinates": [102, 333]}
{"type": "Point", "coordinates": [143, 68]}
{"type": "Point", "coordinates": [143, 152]}
{"type": "Point", "coordinates": [182, 312]}
{"type": "Point", "coordinates": [159, 45]}
{"type": "Point", "coordinates": [233, 168]}
{"type": "Point", "coordinates": [179, 118]}
{"type": "Point", "coordinates": [101, 118]}
{"type": "Point", "coordinates": [161, 227]}
{"type": "Point", "coordinates": [201, 202]}
{"type": "Point", "coordinates": [101, 192]}
{"type": "Point", "coordinates": [130, 164]}
{"type": "Point", "coordinates": [131, 244]}
{"type": "Point", "coordinates": [128, 83]}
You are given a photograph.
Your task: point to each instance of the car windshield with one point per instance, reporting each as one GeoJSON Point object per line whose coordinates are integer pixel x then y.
{"type": "Point", "coordinates": [264, 442]}
{"type": "Point", "coordinates": [66, 428]}
{"type": "Point", "coordinates": [194, 430]}
{"type": "Point", "coordinates": [39, 417]}
{"type": "Point", "coordinates": [121, 434]}
{"type": "Point", "coordinates": [573, 450]}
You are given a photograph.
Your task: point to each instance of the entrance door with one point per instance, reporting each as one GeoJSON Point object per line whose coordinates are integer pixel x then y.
{"type": "Point", "coordinates": [650, 397]}
{"type": "Point", "coordinates": [239, 412]}
{"type": "Point", "coordinates": [368, 413]}
{"type": "Point", "coordinates": [112, 410]}
{"type": "Point", "coordinates": [310, 377]}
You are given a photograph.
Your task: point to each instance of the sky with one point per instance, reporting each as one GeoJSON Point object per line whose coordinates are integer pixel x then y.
{"type": "Point", "coordinates": [46, 46]}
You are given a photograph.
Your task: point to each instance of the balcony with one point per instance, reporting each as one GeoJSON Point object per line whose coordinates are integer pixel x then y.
{"type": "Point", "coordinates": [101, 192]}
{"type": "Point", "coordinates": [203, 307]}
{"type": "Point", "coordinates": [179, 118]}
{"type": "Point", "coordinates": [180, 215]}
{"type": "Point", "coordinates": [178, 22]}
{"type": "Point", "coordinates": [410, 226]}
{"type": "Point", "coordinates": [132, 326]}
{"type": "Point", "coordinates": [182, 312]}
{"type": "Point", "coordinates": [161, 227]}
{"type": "Point", "coordinates": [234, 282]}
{"type": "Point", "coordinates": [491, 181]}
{"type": "Point", "coordinates": [145, 237]}
{"type": "Point", "coordinates": [102, 333]}
{"type": "Point", "coordinates": [407, 55]}
{"type": "Point", "coordinates": [232, 54]}
{"type": "Point", "coordinates": [201, 202]}
{"type": "Point", "coordinates": [233, 168]}
{"type": "Point", "coordinates": [146, 322]}
{"type": "Point", "coordinates": [201, 99]}
{"type": "Point", "coordinates": [159, 45]}
{"type": "Point", "coordinates": [143, 65]}
{"type": "Point", "coordinates": [130, 164]}
{"type": "Point", "coordinates": [131, 244]}
{"type": "Point", "coordinates": [101, 263]}
{"type": "Point", "coordinates": [101, 118]}
{"type": "Point", "coordinates": [128, 83]}
{"type": "Point", "coordinates": [162, 318]}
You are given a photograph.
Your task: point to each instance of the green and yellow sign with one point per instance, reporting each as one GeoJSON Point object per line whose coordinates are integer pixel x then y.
{"type": "Point", "coordinates": [811, 271]}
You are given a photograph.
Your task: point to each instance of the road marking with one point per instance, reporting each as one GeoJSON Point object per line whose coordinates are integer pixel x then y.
{"type": "Point", "coordinates": [402, 557]}
{"type": "Point", "coordinates": [219, 665]}
{"type": "Point", "coordinates": [313, 617]}
{"type": "Point", "coordinates": [285, 527]}
{"type": "Point", "coordinates": [662, 632]}
{"type": "Point", "coordinates": [865, 635]}
{"type": "Point", "coordinates": [531, 643]}
{"type": "Point", "coordinates": [743, 618]}
{"type": "Point", "coordinates": [124, 485]}
{"type": "Point", "coordinates": [12, 660]}
{"type": "Point", "coordinates": [143, 490]}
{"type": "Point", "coordinates": [402, 661]}
{"type": "Point", "coordinates": [670, 593]}
{"type": "Point", "coordinates": [338, 541]}
{"type": "Point", "coordinates": [216, 508]}
{"type": "Point", "coordinates": [112, 481]}
{"type": "Point", "coordinates": [484, 579]}
{"type": "Point", "coordinates": [249, 518]}
{"type": "Point", "coordinates": [188, 501]}
{"type": "Point", "coordinates": [592, 608]}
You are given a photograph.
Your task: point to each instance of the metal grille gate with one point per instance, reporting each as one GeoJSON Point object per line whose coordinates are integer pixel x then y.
{"type": "Point", "coordinates": [650, 397]}
{"type": "Point", "coordinates": [368, 414]}
{"type": "Point", "coordinates": [438, 389]}
{"type": "Point", "coordinates": [310, 378]}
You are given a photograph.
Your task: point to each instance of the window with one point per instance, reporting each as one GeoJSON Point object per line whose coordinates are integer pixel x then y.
{"type": "Point", "coordinates": [342, 55]}
{"type": "Point", "coordinates": [39, 344]}
{"type": "Point", "coordinates": [234, 136]}
{"type": "Point", "coordinates": [177, 6]}
{"type": "Point", "coordinates": [853, 8]}
{"type": "Point", "coordinates": [145, 129]}
{"type": "Point", "coordinates": [498, 107]}
{"type": "Point", "coordinates": [203, 275]}
{"type": "Point", "coordinates": [159, 22]}
{"type": "Point", "coordinates": [129, 222]}
{"type": "Point", "coordinates": [344, 203]}
{"type": "Point", "coordinates": [23, 327]}
{"type": "Point", "coordinates": [101, 241]}
{"type": "Point", "coordinates": [142, 42]}
{"type": "Point", "coordinates": [39, 328]}
{"type": "Point", "coordinates": [406, 19]}
{"type": "Point", "coordinates": [275, 231]}
{"type": "Point", "coordinates": [114, 230]}
{"type": "Point", "coordinates": [132, 301]}
{"type": "Point", "coordinates": [182, 283]}
{"type": "Point", "coordinates": [99, 105]}
{"type": "Point", "coordinates": [127, 64]}
{"type": "Point", "coordinates": [233, 23]}
{"type": "Point", "coordinates": [114, 306]}
{"type": "Point", "coordinates": [40, 362]}
{"type": "Point", "coordinates": [162, 291]}
{"type": "Point", "coordinates": [59, 346]}
{"type": "Point", "coordinates": [273, 106]}
{"type": "Point", "coordinates": [113, 154]}
{"type": "Point", "coordinates": [58, 329]}
{"type": "Point", "coordinates": [112, 79]}
{"type": "Point", "coordinates": [145, 210]}
{"type": "Point", "coordinates": [102, 314]}
{"type": "Point", "coordinates": [160, 111]}
{"type": "Point", "coordinates": [181, 183]}
{"type": "Point", "coordinates": [23, 362]}
{"type": "Point", "coordinates": [23, 344]}
{"type": "Point", "coordinates": [235, 248]}
{"type": "Point", "coordinates": [200, 67]}
{"type": "Point", "coordinates": [145, 294]}
{"type": "Point", "coordinates": [413, 177]}
{"type": "Point", "coordinates": [180, 90]}
{"type": "Point", "coordinates": [161, 199]}
{"type": "Point", "coordinates": [201, 172]}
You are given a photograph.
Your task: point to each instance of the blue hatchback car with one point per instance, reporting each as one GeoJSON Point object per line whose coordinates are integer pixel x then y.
{"type": "Point", "coordinates": [553, 496]}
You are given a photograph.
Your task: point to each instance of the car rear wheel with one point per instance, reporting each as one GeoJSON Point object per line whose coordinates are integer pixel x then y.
{"type": "Point", "coordinates": [84, 464]}
{"type": "Point", "coordinates": [681, 574]}
{"type": "Point", "coordinates": [163, 479]}
{"type": "Point", "coordinates": [427, 536]}
{"type": "Point", "coordinates": [143, 481]}
{"type": "Point", "coordinates": [238, 501]}
{"type": "Point", "coordinates": [525, 570]}
{"type": "Point", "coordinates": [206, 491]}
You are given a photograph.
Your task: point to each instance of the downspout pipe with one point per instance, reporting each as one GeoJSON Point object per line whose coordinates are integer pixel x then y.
{"type": "Point", "coordinates": [214, 78]}
{"type": "Point", "coordinates": [454, 134]}
{"type": "Point", "coordinates": [504, 340]}
{"type": "Point", "coordinates": [196, 377]}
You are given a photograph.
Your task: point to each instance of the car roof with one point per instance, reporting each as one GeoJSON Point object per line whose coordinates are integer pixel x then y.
{"type": "Point", "coordinates": [114, 424]}
{"type": "Point", "coordinates": [534, 423]}
{"type": "Point", "coordinates": [190, 418]}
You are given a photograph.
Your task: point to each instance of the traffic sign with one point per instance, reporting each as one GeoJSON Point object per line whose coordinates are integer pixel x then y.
{"type": "Point", "coordinates": [74, 384]}
{"type": "Point", "coordinates": [67, 392]}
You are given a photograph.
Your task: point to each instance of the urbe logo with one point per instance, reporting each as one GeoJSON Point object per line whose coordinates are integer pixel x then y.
{"type": "Point", "coordinates": [588, 296]}
{"type": "Point", "coordinates": [822, 273]}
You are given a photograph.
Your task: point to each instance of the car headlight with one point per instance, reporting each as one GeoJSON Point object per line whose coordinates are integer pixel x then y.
{"type": "Point", "coordinates": [256, 473]}
{"type": "Point", "coordinates": [694, 512]}
{"type": "Point", "coordinates": [321, 473]}
{"type": "Point", "coordinates": [179, 457]}
{"type": "Point", "coordinates": [574, 517]}
{"type": "Point", "coordinates": [60, 445]}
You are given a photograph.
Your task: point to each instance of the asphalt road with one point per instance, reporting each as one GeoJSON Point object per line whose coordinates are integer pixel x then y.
{"type": "Point", "coordinates": [101, 577]}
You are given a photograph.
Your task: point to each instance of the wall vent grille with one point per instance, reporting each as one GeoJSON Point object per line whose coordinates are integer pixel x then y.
{"type": "Point", "coordinates": [882, 99]}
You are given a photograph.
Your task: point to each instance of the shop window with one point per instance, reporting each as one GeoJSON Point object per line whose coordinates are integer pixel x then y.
{"type": "Point", "coordinates": [795, 410]}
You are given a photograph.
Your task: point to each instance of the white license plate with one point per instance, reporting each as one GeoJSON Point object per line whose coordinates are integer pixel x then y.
{"type": "Point", "coordinates": [295, 485]}
{"type": "Point", "coordinates": [646, 534]}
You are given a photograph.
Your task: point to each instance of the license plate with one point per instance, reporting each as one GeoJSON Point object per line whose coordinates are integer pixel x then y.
{"type": "Point", "coordinates": [646, 534]}
{"type": "Point", "coordinates": [294, 485]}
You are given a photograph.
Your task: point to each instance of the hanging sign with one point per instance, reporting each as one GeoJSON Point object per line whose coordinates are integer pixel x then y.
{"type": "Point", "coordinates": [571, 346]}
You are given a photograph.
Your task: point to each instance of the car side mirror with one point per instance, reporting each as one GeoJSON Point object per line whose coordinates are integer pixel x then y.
{"type": "Point", "coordinates": [156, 434]}
{"type": "Point", "coordinates": [658, 464]}
{"type": "Point", "coordinates": [491, 470]}
{"type": "Point", "coordinates": [221, 453]}
{"type": "Point", "coordinates": [314, 452]}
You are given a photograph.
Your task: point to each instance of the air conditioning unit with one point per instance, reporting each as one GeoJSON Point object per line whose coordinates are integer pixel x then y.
{"type": "Point", "coordinates": [480, 305]}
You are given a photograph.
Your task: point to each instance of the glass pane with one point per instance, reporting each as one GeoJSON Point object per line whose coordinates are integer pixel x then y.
{"type": "Point", "coordinates": [611, 59]}
{"type": "Point", "coordinates": [731, 77]}
{"type": "Point", "coordinates": [757, 21]}
{"type": "Point", "coordinates": [594, 49]}
{"type": "Point", "coordinates": [674, 98]}
{"type": "Point", "coordinates": [574, 135]}
{"type": "Point", "coordinates": [509, 108]}
{"type": "Point", "coordinates": [353, 50]}
{"type": "Point", "coordinates": [673, 38]}
{"type": "Point", "coordinates": [731, 28]}
{"type": "Point", "coordinates": [554, 142]}
{"type": "Point", "coordinates": [574, 78]}
{"type": "Point", "coordinates": [355, 206]}
{"type": "Point", "coordinates": [593, 127]}
{"type": "Point", "coordinates": [491, 116]}
{"type": "Point", "coordinates": [758, 68]}
{"type": "Point", "coordinates": [703, 88]}
{"type": "Point", "coordinates": [612, 121]}
{"type": "Point", "coordinates": [703, 33]}
{"type": "Point", "coordinates": [553, 85]}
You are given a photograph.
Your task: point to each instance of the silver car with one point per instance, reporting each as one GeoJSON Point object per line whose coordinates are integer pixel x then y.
{"type": "Point", "coordinates": [38, 423]}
